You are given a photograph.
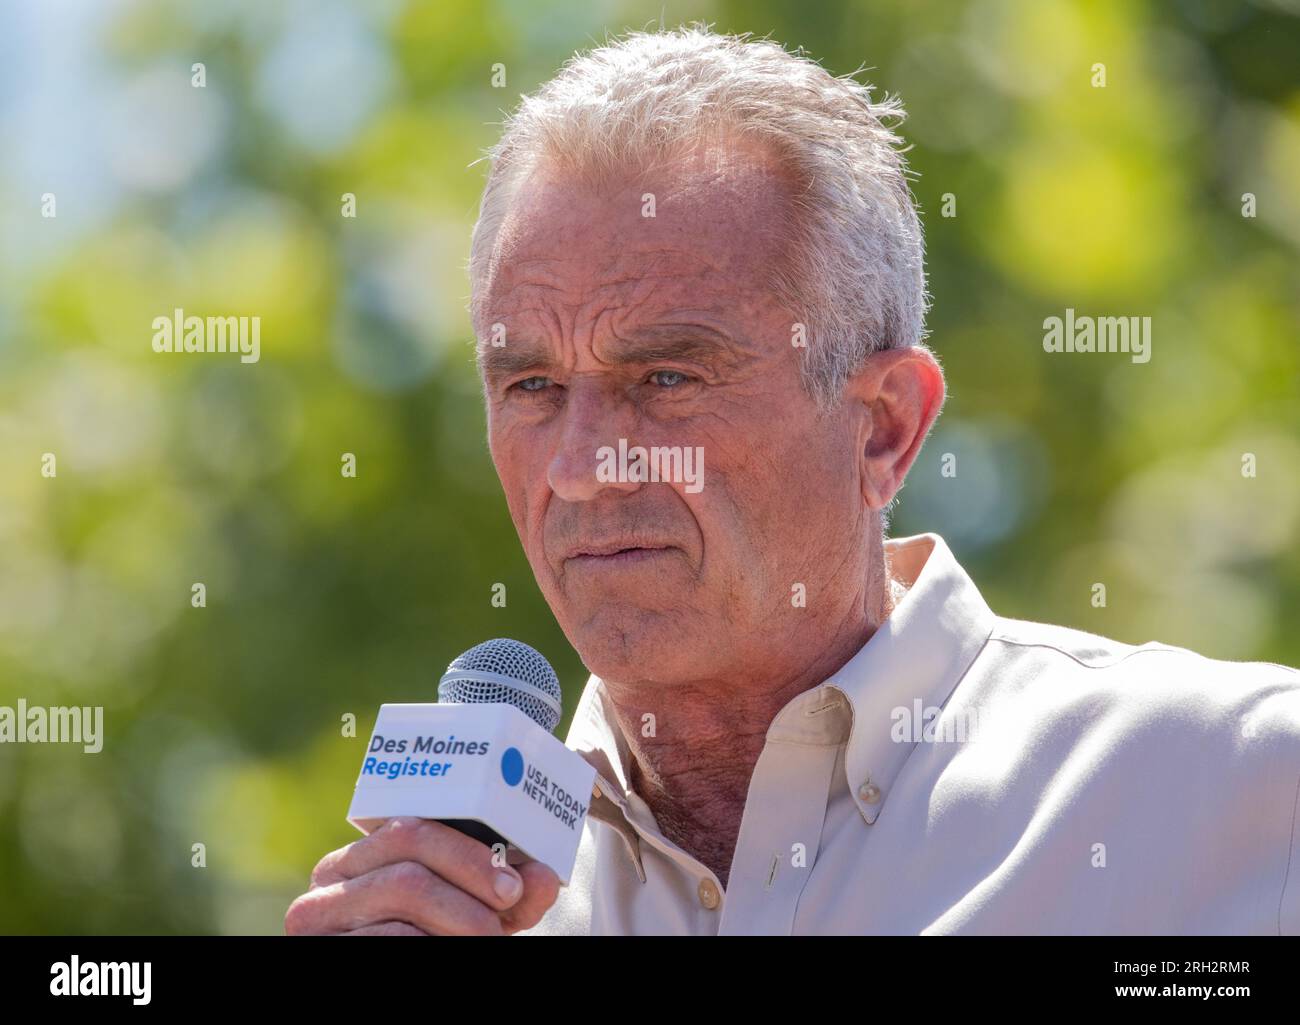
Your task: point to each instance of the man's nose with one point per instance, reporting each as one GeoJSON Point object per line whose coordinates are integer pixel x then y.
{"type": "Point", "coordinates": [594, 416]}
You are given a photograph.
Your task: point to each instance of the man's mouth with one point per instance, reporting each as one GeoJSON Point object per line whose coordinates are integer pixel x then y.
{"type": "Point", "coordinates": [611, 555]}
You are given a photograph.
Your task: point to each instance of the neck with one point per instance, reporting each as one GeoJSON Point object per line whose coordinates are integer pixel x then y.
{"type": "Point", "coordinates": [694, 769]}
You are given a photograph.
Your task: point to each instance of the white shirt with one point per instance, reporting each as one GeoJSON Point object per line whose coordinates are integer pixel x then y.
{"type": "Point", "coordinates": [1099, 788]}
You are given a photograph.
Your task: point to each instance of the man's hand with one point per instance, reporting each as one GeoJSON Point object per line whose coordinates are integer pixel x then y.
{"type": "Point", "coordinates": [418, 877]}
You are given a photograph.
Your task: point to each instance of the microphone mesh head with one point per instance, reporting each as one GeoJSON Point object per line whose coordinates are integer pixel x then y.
{"type": "Point", "coordinates": [507, 672]}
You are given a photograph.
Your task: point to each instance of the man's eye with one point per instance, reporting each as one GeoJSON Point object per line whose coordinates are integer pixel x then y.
{"type": "Point", "coordinates": [532, 384]}
{"type": "Point", "coordinates": [669, 378]}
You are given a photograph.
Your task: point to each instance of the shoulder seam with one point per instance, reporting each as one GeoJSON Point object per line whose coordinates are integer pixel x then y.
{"type": "Point", "coordinates": [1150, 647]}
{"type": "Point", "coordinates": [1143, 650]}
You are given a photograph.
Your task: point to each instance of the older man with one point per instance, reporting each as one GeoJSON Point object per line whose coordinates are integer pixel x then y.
{"type": "Point", "coordinates": [699, 243]}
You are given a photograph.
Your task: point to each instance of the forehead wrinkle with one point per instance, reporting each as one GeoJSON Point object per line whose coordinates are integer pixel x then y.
{"type": "Point", "coordinates": [577, 295]}
{"type": "Point", "coordinates": [627, 268]}
{"type": "Point", "coordinates": [690, 340]}
{"type": "Point", "coordinates": [537, 348]}
{"type": "Point", "coordinates": [588, 308]}
{"type": "Point", "coordinates": [508, 283]}
{"type": "Point", "coordinates": [633, 251]}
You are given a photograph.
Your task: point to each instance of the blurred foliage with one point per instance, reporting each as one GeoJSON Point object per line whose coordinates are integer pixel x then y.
{"type": "Point", "coordinates": [328, 596]}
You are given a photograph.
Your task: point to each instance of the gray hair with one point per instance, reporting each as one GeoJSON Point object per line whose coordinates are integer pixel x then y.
{"type": "Point", "coordinates": [855, 274]}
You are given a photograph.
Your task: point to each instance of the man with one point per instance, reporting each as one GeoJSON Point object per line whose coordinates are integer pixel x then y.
{"type": "Point", "coordinates": [697, 245]}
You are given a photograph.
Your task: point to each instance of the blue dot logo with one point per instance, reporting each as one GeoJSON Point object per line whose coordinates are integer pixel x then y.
{"type": "Point", "coordinates": [512, 766]}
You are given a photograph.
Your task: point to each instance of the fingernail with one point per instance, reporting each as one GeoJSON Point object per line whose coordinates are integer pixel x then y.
{"type": "Point", "coordinates": [508, 885]}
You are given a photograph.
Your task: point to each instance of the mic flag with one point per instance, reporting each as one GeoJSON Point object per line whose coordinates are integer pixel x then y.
{"type": "Point", "coordinates": [477, 756]}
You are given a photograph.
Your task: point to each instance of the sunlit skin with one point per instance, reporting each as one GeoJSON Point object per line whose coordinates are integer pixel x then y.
{"type": "Point", "coordinates": [664, 331]}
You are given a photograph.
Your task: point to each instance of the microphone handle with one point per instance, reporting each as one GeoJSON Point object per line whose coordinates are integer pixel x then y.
{"type": "Point", "coordinates": [479, 831]}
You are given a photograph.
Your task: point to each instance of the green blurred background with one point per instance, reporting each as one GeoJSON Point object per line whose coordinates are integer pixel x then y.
{"type": "Point", "coordinates": [327, 595]}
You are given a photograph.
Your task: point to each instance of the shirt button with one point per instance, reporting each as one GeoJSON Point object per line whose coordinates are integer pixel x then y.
{"type": "Point", "coordinates": [708, 894]}
{"type": "Point", "coordinates": [869, 792]}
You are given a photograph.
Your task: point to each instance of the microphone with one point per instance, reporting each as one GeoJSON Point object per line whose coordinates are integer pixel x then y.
{"type": "Point", "coordinates": [483, 760]}
{"type": "Point", "coordinates": [506, 671]}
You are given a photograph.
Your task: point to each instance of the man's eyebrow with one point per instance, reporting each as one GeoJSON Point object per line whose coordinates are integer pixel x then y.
{"type": "Point", "coordinates": [687, 343]}
{"type": "Point", "coordinates": [497, 362]}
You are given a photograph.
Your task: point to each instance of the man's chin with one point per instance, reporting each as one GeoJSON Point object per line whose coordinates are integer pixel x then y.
{"type": "Point", "coordinates": [630, 644]}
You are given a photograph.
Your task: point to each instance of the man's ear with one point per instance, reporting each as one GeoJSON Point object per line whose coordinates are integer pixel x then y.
{"type": "Point", "coordinates": [901, 392]}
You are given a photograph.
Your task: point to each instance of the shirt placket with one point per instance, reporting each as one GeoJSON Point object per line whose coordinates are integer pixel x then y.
{"type": "Point", "coordinates": [780, 834]}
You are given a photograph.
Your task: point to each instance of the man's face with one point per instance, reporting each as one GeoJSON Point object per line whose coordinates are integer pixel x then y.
{"type": "Point", "coordinates": [663, 331]}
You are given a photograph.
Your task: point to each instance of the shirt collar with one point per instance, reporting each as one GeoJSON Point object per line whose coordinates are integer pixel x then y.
{"type": "Point", "coordinates": [912, 662]}
{"type": "Point", "coordinates": [594, 734]}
